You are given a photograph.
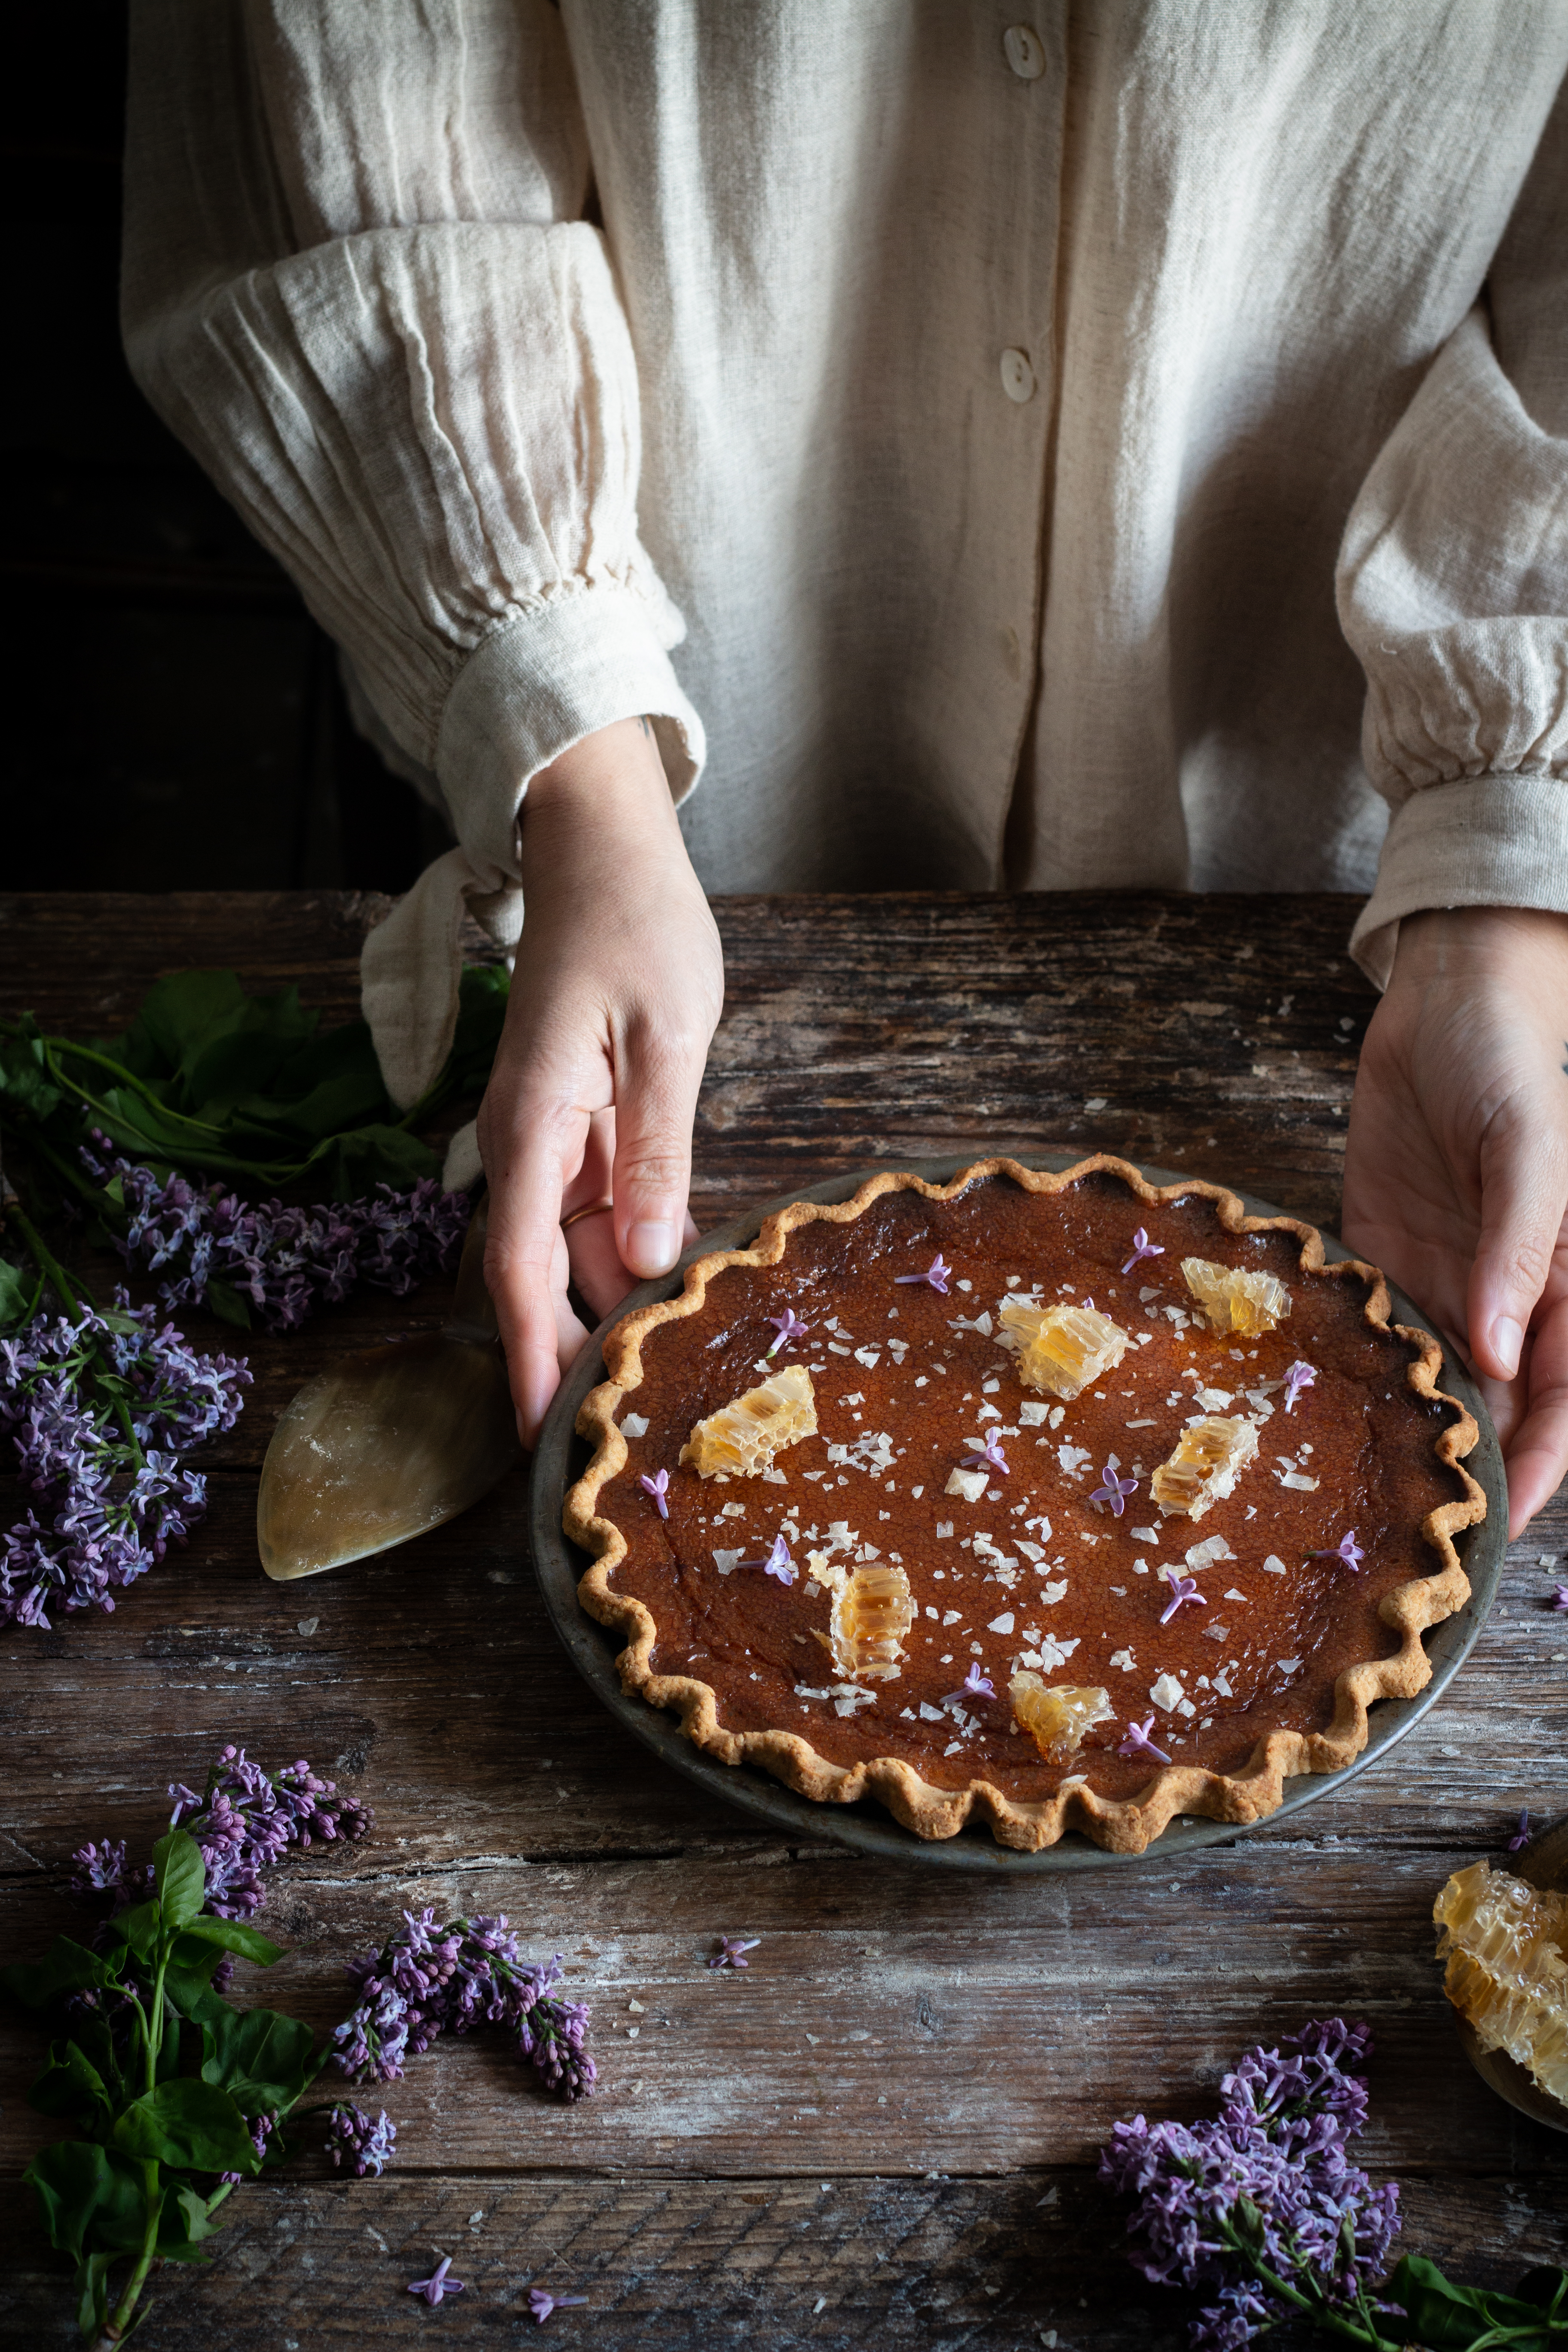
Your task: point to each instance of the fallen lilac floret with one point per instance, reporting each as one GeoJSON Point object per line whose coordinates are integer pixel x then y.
{"type": "Point", "coordinates": [1560, 1598]}
{"type": "Point", "coordinates": [990, 1456]}
{"type": "Point", "coordinates": [1143, 1247]}
{"type": "Point", "coordinates": [974, 1686]}
{"type": "Point", "coordinates": [777, 1563]}
{"type": "Point", "coordinates": [1298, 1376]}
{"type": "Point", "coordinates": [438, 2284]}
{"type": "Point", "coordinates": [732, 1952]}
{"type": "Point", "coordinates": [788, 1328]}
{"type": "Point", "coordinates": [936, 1274]}
{"type": "Point", "coordinates": [658, 1488]}
{"type": "Point", "coordinates": [542, 2304]}
{"type": "Point", "coordinates": [1137, 1741]}
{"type": "Point", "coordinates": [431, 1980]}
{"type": "Point", "coordinates": [286, 1262]}
{"type": "Point", "coordinates": [1182, 1590]}
{"type": "Point", "coordinates": [1114, 1490]}
{"type": "Point", "coordinates": [353, 2140]}
{"type": "Point", "coordinates": [1347, 1549]}
{"type": "Point", "coordinates": [1521, 1834]}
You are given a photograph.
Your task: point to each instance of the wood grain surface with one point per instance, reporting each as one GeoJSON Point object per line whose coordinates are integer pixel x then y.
{"type": "Point", "coordinates": [884, 2132]}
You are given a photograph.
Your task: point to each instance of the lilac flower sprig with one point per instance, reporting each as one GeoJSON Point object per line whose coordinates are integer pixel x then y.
{"type": "Point", "coordinates": [284, 1262]}
{"type": "Point", "coordinates": [1262, 2203]}
{"type": "Point", "coordinates": [245, 1821]}
{"type": "Point", "coordinates": [432, 1979]}
{"type": "Point", "coordinates": [99, 1407]}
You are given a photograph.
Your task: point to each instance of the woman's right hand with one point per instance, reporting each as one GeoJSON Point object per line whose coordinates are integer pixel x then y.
{"type": "Point", "coordinates": [616, 994]}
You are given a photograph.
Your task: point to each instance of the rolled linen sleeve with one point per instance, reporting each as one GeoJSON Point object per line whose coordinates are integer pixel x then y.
{"type": "Point", "coordinates": [1453, 592]}
{"type": "Point", "coordinates": [357, 286]}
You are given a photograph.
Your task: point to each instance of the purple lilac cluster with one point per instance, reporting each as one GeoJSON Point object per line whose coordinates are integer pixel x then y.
{"type": "Point", "coordinates": [433, 1979]}
{"type": "Point", "coordinates": [286, 1262]}
{"type": "Point", "coordinates": [354, 2141]}
{"type": "Point", "coordinates": [243, 1821]}
{"type": "Point", "coordinates": [1263, 2193]}
{"type": "Point", "coordinates": [99, 1410]}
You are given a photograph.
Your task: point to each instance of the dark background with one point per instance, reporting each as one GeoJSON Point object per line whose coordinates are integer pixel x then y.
{"type": "Point", "coordinates": [175, 718]}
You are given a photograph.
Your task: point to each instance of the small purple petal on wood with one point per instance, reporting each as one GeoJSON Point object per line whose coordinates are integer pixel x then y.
{"type": "Point", "coordinates": [438, 2284]}
{"type": "Point", "coordinates": [1522, 1835]}
{"type": "Point", "coordinates": [732, 1952]}
{"type": "Point", "coordinates": [542, 2304]}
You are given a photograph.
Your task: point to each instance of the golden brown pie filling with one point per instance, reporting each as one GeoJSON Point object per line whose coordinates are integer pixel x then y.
{"type": "Point", "coordinates": [979, 1586]}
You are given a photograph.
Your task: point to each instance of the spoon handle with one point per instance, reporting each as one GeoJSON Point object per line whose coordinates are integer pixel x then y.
{"type": "Point", "coordinates": [473, 1314]}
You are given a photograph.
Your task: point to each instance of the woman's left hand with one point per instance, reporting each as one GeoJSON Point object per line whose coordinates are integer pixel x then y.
{"type": "Point", "coordinates": [1457, 1163]}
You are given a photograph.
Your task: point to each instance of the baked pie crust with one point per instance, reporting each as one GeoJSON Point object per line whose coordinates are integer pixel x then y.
{"type": "Point", "coordinates": [1403, 1443]}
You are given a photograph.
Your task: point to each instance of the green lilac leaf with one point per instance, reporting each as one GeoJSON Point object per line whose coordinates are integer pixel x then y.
{"type": "Point", "coordinates": [16, 1293]}
{"type": "Point", "coordinates": [181, 1877]}
{"type": "Point", "coordinates": [262, 2058]}
{"type": "Point", "coordinates": [71, 2089]}
{"type": "Point", "coordinates": [189, 1992]}
{"type": "Point", "coordinates": [138, 1927]}
{"type": "Point", "coordinates": [1449, 2318]}
{"type": "Point", "coordinates": [228, 1304]}
{"type": "Point", "coordinates": [66, 1967]}
{"type": "Point", "coordinates": [91, 2196]}
{"type": "Point", "coordinates": [187, 2123]}
{"type": "Point", "coordinates": [235, 1937]}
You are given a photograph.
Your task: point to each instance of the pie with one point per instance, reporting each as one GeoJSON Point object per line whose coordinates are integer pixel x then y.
{"type": "Point", "coordinates": [1056, 1502]}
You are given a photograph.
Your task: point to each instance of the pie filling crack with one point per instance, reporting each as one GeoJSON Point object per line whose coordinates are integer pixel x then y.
{"type": "Point", "coordinates": [1054, 1502]}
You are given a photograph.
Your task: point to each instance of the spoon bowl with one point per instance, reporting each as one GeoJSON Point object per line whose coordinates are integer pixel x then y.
{"type": "Point", "coordinates": [392, 1440]}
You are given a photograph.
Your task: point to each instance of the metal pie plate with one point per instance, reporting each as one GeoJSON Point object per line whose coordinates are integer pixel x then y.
{"type": "Point", "coordinates": [562, 1456]}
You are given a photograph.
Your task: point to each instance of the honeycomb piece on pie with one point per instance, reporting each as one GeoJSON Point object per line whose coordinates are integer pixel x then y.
{"type": "Point", "coordinates": [1507, 1949]}
{"type": "Point", "coordinates": [872, 1612]}
{"type": "Point", "coordinates": [1204, 1466]}
{"type": "Point", "coordinates": [1234, 1299]}
{"type": "Point", "coordinates": [1064, 1348]}
{"type": "Point", "coordinates": [1056, 1714]}
{"type": "Point", "coordinates": [740, 1439]}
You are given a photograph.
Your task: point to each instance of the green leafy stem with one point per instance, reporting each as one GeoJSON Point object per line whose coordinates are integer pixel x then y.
{"type": "Point", "coordinates": [162, 2080]}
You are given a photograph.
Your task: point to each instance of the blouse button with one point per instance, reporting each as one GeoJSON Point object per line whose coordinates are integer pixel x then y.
{"type": "Point", "coordinates": [1017, 376]}
{"type": "Point", "coordinates": [1024, 51]}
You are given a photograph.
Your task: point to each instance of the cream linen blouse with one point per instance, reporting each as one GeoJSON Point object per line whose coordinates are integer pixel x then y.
{"type": "Point", "coordinates": [1123, 444]}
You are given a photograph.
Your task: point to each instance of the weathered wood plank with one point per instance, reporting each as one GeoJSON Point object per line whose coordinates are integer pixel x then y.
{"type": "Point", "coordinates": [987, 2266]}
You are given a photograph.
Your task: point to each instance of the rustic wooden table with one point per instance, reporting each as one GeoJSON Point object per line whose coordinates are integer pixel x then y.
{"type": "Point", "coordinates": [884, 2132]}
